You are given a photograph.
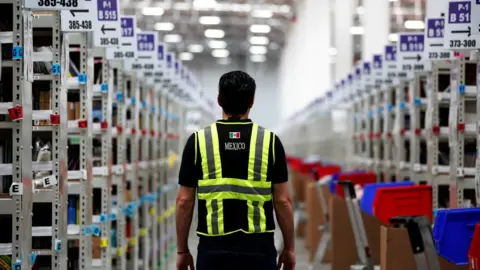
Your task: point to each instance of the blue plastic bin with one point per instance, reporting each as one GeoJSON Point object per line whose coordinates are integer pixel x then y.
{"type": "Point", "coordinates": [369, 191]}
{"type": "Point", "coordinates": [453, 232]}
{"type": "Point", "coordinates": [331, 185]}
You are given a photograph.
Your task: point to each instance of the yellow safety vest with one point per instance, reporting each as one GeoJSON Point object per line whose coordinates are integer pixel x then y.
{"type": "Point", "coordinates": [214, 188]}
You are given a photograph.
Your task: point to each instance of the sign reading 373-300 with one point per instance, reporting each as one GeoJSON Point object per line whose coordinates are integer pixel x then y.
{"type": "Point", "coordinates": [459, 33]}
{"type": "Point", "coordinates": [56, 4]}
{"type": "Point", "coordinates": [107, 30]}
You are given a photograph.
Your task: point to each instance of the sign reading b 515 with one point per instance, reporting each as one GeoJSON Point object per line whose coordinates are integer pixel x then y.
{"type": "Point", "coordinates": [107, 30]}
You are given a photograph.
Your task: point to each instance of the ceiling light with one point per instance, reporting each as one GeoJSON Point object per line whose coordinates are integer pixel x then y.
{"type": "Point", "coordinates": [164, 26]}
{"type": "Point", "coordinates": [259, 13]}
{"type": "Point", "coordinates": [393, 37]}
{"type": "Point", "coordinates": [356, 30]}
{"type": "Point", "coordinates": [186, 56]}
{"type": "Point", "coordinates": [214, 33]}
{"type": "Point", "coordinates": [172, 38]}
{"type": "Point", "coordinates": [260, 28]}
{"type": "Point", "coordinates": [153, 11]}
{"type": "Point", "coordinates": [209, 20]}
{"type": "Point", "coordinates": [258, 50]}
{"type": "Point", "coordinates": [414, 25]}
{"type": "Point", "coordinates": [204, 4]}
{"type": "Point", "coordinates": [217, 44]}
{"type": "Point", "coordinates": [195, 48]}
{"type": "Point", "coordinates": [258, 58]}
{"type": "Point", "coordinates": [256, 40]}
{"type": "Point", "coordinates": [220, 53]}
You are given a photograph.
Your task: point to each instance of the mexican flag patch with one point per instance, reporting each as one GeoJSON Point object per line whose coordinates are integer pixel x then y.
{"type": "Point", "coordinates": [234, 135]}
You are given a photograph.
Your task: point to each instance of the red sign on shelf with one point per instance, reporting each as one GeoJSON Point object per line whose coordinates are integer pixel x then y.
{"type": "Point", "coordinates": [55, 119]}
{"type": "Point", "coordinates": [82, 123]}
{"type": "Point", "coordinates": [104, 125]}
{"type": "Point", "coordinates": [16, 113]}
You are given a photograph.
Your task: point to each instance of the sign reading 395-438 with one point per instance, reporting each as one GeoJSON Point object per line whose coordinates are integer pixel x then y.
{"type": "Point", "coordinates": [107, 31]}
{"type": "Point", "coordinates": [57, 4]}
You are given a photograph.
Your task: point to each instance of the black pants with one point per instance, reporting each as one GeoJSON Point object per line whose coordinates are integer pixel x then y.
{"type": "Point", "coordinates": [235, 253]}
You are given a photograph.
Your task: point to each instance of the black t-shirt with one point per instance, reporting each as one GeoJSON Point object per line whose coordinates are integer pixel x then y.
{"type": "Point", "coordinates": [191, 172]}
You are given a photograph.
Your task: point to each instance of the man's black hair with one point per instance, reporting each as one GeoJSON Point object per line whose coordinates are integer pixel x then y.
{"type": "Point", "coordinates": [236, 90]}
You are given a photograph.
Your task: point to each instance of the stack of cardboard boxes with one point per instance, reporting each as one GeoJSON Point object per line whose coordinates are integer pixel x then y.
{"type": "Point", "coordinates": [73, 110]}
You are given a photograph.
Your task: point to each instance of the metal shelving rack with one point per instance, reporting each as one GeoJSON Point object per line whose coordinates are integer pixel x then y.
{"type": "Point", "coordinates": [426, 108]}
{"type": "Point", "coordinates": [135, 171]}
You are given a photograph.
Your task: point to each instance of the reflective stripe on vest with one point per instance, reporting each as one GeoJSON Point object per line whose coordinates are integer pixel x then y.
{"type": "Point", "coordinates": [214, 189]}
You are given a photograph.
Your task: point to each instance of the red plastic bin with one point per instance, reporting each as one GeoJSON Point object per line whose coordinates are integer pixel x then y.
{"type": "Point", "coordinates": [356, 178]}
{"type": "Point", "coordinates": [327, 170]}
{"type": "Point", "coordinates": [474, 251]}
{"type": "Point", "coordinates": [403, 201]}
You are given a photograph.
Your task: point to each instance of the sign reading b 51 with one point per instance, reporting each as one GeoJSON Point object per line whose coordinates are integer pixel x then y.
{"type": "Point", "coordinates": [107, 30]}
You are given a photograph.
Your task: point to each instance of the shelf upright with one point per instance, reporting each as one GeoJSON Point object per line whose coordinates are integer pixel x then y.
{"type": "Point", "coordinates": [82, 128]}
{"type": "Point", "coordinates": [163, 151]}
{"type": "Point", "coordinates": [368, 101]}
{"type": "Point", "coordinates": [134, 175]}
{"type": "Point", "coordinates": [155, 174]}
{"type": "Point", "coordinates": [437, 97]}
{"type": "Point", "coordinates": [416, 105]}
{"type": "Point", "coordinates": [21, 167]}
{"type": "Point", "coordinates": [377, 113]}
{"type": "Point", "coordinates": [103, 174]}
{"type": "Point", "coordinates": [144, 173]}
{"type": "Point", "coordinates": [122, 96]}
{"type": "Point", "coordinates": [390, 80]}
{"type": "Point", "coordinates": [399, 129]}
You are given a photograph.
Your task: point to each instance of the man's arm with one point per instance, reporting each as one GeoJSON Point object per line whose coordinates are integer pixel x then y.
{"type": "Point", "coordinates": [184, 214]}
{"type": "Point", "coordinates": [281, 197]}
{"type": "Point", "coordinates": [284, 214]}
{"type": "Point", "coordinates": [186, 195]}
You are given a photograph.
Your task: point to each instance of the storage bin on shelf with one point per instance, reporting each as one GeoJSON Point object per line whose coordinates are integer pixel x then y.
{"type": "Point", "coordinates": [329, 170]}
{"type": "Point", "coordinates": [357, 178]}
{"type": "Point", "coordinates": [474, 251]}
{"type": "Point", "coordinates": [453, 231]}
{"type": "Point", "coordinates": [403, 201]}
{"type": "Point", "coordinates": [370, 191]}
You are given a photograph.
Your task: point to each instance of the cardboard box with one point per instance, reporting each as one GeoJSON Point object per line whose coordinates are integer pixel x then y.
{"type": "Point", "coordinates": [344, 253]}
{"type": "Point", "coordinates": [96, 250]}
{"type": "Point", "coordinates": [71, 111]}
{"type": "Point", "coordinates": [396, 251]}
{"type": "Point", "coordinates": [77, 110]}
{"type": "Point", "coordinates": [299, 182]}
{"type": "Point", "coordinates": [315, 219]}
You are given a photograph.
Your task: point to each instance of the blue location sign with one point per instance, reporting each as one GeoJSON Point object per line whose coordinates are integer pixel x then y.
{"type": "Point", "coordinates": [177, 65]}
{"type": "Point", "coordinates": [377, 61]}
{"type": "Point", "coordinates": [145, 42]}
{"type": "Point", "coordinates": [127, 27]}
{"type": "Point", "coordinates": [107, 10]}
{"type": "Point", "coordinates": [366, 68]}
{"type": "Point", "coordinates": [412, 42]}
{"type": "Point", "coordinates": [350, 77]}
{"type": "Point", "coordinates": [161, 52]}
{"type": "Point", "coordinates": [358, 71]}
{"type": "Point", "coordinates": [435, 28]}
{"type": "Point", "coordinates": [169, 60]}
{"type": "Point", "coordinates": [390, 53]}
{"type": "Point", "coordinates": [459, 12]}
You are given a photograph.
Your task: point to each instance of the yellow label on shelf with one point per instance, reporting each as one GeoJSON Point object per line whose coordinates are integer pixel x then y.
{"type": "Point", "coordinates": [152, 211]}
{"type": "Point", "coordinates": [104, 242]}
{"type": "Point", "coordinates": [119, 251]}
{"type": "Point", "coordinates": [171, 160]}
{"type": "Point", "coordinates": [159, 219]}
{"type": "Point", "coordinates": [143, 232]}
{"type": "Point", "coordinates": [132, 241]}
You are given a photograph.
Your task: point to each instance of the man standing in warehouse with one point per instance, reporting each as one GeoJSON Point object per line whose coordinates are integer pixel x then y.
{"type": "Point", "coordinates": [238, 171]}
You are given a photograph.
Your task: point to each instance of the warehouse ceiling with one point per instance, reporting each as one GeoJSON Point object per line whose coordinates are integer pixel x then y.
{"type": "Point", "coordinates": [225, 26]}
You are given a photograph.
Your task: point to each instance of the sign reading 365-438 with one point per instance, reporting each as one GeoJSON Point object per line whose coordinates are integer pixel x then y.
{"type": "Point", "coordinates": [107, 31]}
{"type": "Point", "coordinates": [57, 4]}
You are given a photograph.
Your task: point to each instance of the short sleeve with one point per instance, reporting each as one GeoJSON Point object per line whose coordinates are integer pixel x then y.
{"type": "Point", "coordinates": [279, 172]}
{"type": "Point", "coordinates": [188, 172]}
